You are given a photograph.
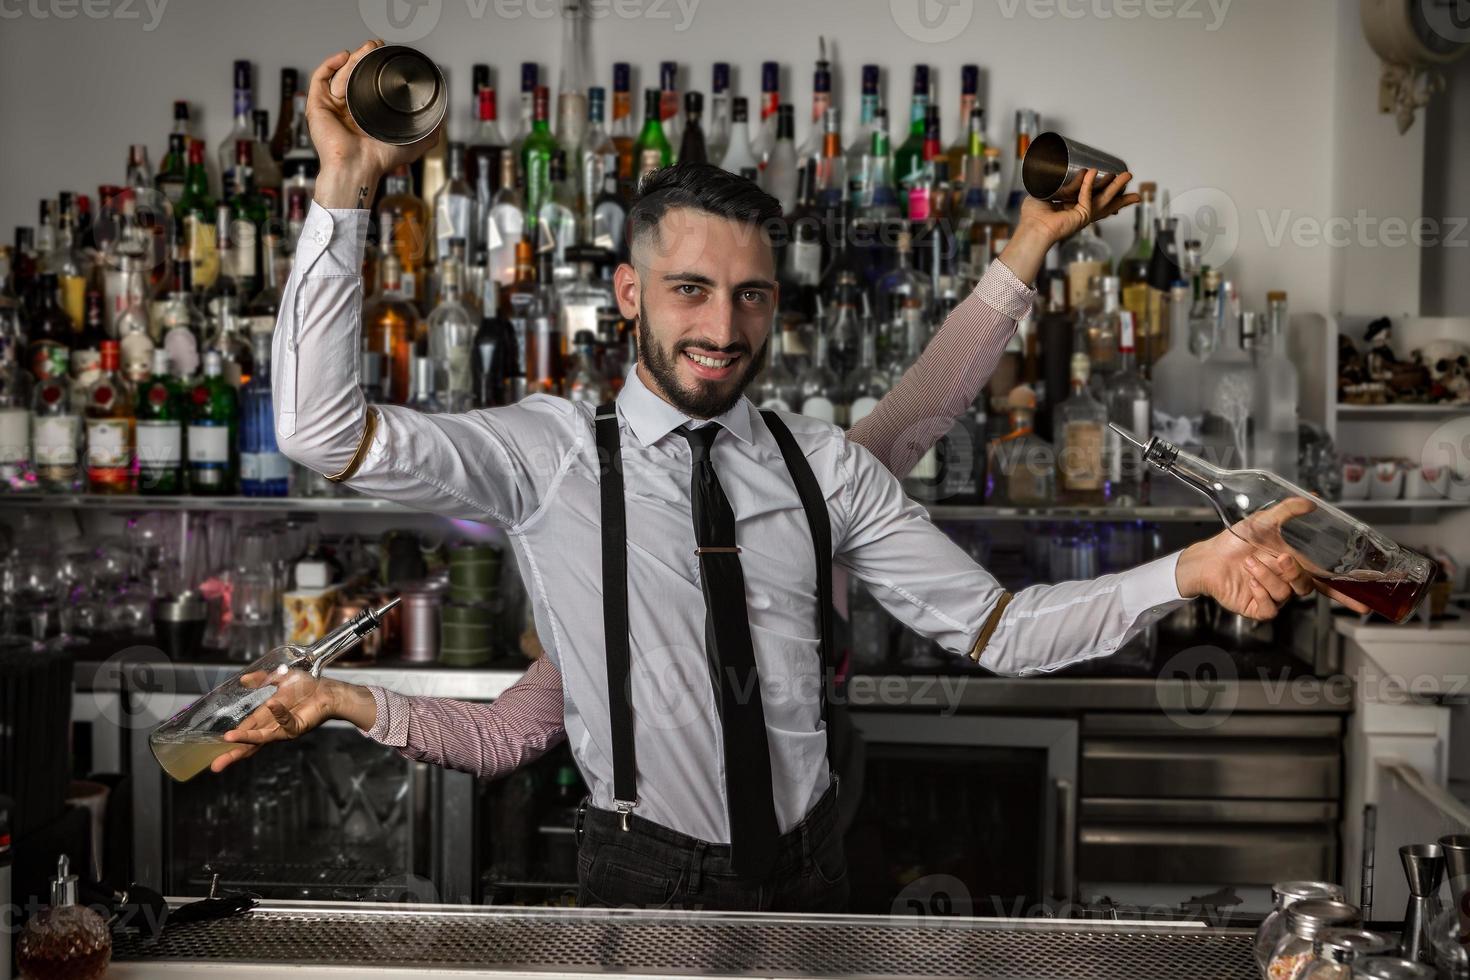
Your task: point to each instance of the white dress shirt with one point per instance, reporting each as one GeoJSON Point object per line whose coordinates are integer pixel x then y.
{"type": "Point", "coordinates": [532, 469]}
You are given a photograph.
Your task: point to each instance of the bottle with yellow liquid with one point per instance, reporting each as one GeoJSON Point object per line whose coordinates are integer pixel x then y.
{"type": "Point", "coordinates": [188, 742]}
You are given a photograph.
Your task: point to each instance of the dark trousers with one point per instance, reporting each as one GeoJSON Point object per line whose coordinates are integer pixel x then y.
{"type": "Point", "coordinates": [650, 866]}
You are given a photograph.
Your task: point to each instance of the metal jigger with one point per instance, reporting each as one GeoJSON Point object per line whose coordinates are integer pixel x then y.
{"type": "Point", "coordinates": [1424, 867]}
{"type": "Point", "coordinates": [1456, 848]}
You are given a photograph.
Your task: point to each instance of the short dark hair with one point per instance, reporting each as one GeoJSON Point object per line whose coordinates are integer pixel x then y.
{"type": "Point", "coordinates": [702, 187]}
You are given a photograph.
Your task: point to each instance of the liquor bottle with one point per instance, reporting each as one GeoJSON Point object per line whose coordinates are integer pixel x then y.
{"type": "Point", "coordinates": [1080, 423]}
{"type": "Point", "coordinates": [280, 140]}
{"type": "Point", "coordinates": [1102, 330]}
{"type": "Point", "coordinates": [668, 102]}
{"type": "Point", "coordinates": [224, 296]}
{"type": "Point", "coordinates": [1028, 126]}
{"type": "Point", "coordinates": [597, 158]}
{"type": "Point", "coordinates": [880, 195]}
{"type": "Point", "coordinates": [264, 471]}
{"type": "Point", "coordinates": [1178, 405]}
{"type": "Point", "coordinates": [1128, 401]}
{"type": "Point", "coordinates": [779, 178]}
{"type": "Point", "coordinates": [148, 211]}
{"type": "Point", "coordinates": [516, 303]}
{"type": "Point", "coordinates": [1020, 465]}
{"type": "Point", "coordinates": [802, 268]}
{"type": "Point", "coordinates": [196, 212]}
{"type": "Point", "coordinates": [493, 354]}
{"type": "Point", "coordinates": [621, 127]}
{"type": "Point", "coordinates": [1277, 391]}
{"type": "Point", "coordinates": [609, 218]}
{"type": "Point", "coordinates": [904, 295]}
{"type": "Point", "coordinates": [160, 432]}
{"type": "Point", "coordinates": [776, 386]}
{"type": "Point", "coordinates": [585, 383]}
{"type": "Point", "coordinates": [983, 228]}
{"type": "Point", "coordinates": [651, 151]}
{"type": "Point", "coordinates": [263, 165]}
{"type": "Point", "coordinates": [506, 226]}
{"type": "Point", "coordinates": [86, 346]}
{"type": "Point", "coordinates": [134, 335]}
{"type": "Point", "coordinates": [556, 222]}
{"type": "Point", "coordinates": [536, 152]}
{"type": "Point", "coordinates": [65, 261]}
{"type": "Point", "coordinates": [1133, 266]}
{"type": "Point", "coordinates": [530, 79]}
{"type": "Point", "coordinates": [576, 74]}
{"type": "Point", "coordinates": [46, 227]}
{"type": "Point", "coordinates": [1204, 316]}
{"type": "Point", "coordinates": [403, 223]}
{"type": "Point", "coordinates": [1340, 551]}
{"type": "Point", "coordinates": [545, 367]}
{"type": "Point", "coordinates": [244, 124]}
{"type": "Point", "coordinates": [909, 158]}
{"type": "Point", "coordinates": [16, 472]}
{"type": "Point", "coordinates": [173, 171]}
{"type": "Point", "coordinates": [1164, 268]}
{"type": "Point", "coordinates": [844, 326]}
{"type": "Point", "coordinates": [180, 324]}
{"type": "Point", "coordinates": [960, 149]}
{"type": "Point", "coordinates": [691, 144]}
{"type": "Point", "coordinates": [865, 385]}
{"type": "Point", "coordinates": [48, 351]}
{"type": "Point", "coordinates": [56, 435]}
{"type": "Point", "coordinates": [830, 166]}
{"type": "Point", "coordinates": [109, 419]}
{"type": "Point", "coordinates": [265, 305]}
{"type": "Point", "coordinates": [921, 186]}
{"type": "Point", "coordinates": [811, 147]}
{"type": "Point", "coordinates": [370, 378]}
{"type": "Point", "coordinates": [483, 157]}
{"type": "Point", "coordinates": [717, 139]}
{"type": "Point", "coordinates": [451, 331]}
{"type": "Point", "coordinates": [212, 414]}
{"type": "Point", "coordinates": [454, 205]}
{"type": "Point", "coordinates": [1084, 256]}
{"type": "Point", "coordinates": [859, 151]}
{"type": "Point", "coordinates": [1230, 433]}
{"type": "Point", "coordinates": [583, 300]}
{"type": "Point", "coordinates": [739, 158]}
{"type": "Point", "coordinates": [763, 138]}
{"type": "Point", "coordinates": [421, 386]}
{"type": "Point", "coordinates": [390, 321]}
{"type": "Point", "coordinates": [816, 387]}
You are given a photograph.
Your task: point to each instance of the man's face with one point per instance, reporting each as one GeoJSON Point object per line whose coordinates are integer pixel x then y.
{"type": "Point", "coordinates": [704, 292]}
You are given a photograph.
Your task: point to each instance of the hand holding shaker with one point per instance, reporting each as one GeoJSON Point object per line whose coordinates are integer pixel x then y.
{"type": "Point", "coordinates": [1054, 167]}
{"type": "Point", "coordinates": [397, 95]}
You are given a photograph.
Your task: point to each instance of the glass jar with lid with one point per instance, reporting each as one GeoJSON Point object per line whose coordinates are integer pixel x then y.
{"type": "Point", "coordinates": [1283, 894]}
{"type": "Point", "coordinates": [1391, 968]}
{"type": "Point", "coordinates": [1304, 920]}
{"type": "Point", "coordinates": [1339, 949]}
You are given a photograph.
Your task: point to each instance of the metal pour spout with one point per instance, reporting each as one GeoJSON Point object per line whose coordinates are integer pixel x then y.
{"type": "Point", "coordinates": [1129, 436]}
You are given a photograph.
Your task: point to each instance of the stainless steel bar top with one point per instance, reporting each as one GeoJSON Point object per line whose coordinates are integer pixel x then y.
{"type": "Point", "coordinates": [331, 939]}
{"type": "Point", "coordinates": [145, 670]}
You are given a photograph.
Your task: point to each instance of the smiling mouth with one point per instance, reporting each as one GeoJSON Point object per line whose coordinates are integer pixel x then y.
{"type": "Point", "coordinates": [711, 365]}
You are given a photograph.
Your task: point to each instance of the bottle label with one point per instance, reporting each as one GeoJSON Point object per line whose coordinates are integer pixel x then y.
{"type": "Point", "coordinates": [1079, 274]}
{"type": "Point", "coordinates": [578, 318]}
{"type": "Point", "coordinates": [1081, 462]}
{"type": "Point", "coordinates": [819, 408]}
{"type": "Point", "coordinates": [805, 259]}
{"type": "Point", "coordinates": [407, 285]}
{"type": "Point", "coordinates": [55, 438]}
{"type": "Point", "coordinates": [862, 408]}
{"type": "Point", "coordinates": [50, 360]}
{"type": "Point", "coordinates": [160, 444]}
{"type": "Point", "coordinates": [73, 297]}
{"type": "Point", "coordinates": [15, 436]}
{"type": "Point", "coordinates": [919, 202]}
{"type": "Point", "coordinates": [209, 445]}
{"type": "Point", "coordinates": [242, 250]}
{"type": "Point", "coordinates": [263, 467]}
{"type": "Point", "coordinates": [649, 160]}
{"type": "Point", "coordinates": [457, 375]}
{"type": "Point", "coordinates": [107, 444]}
{"type": "Point", "coordinates": [452, 220]}
{"type": "Point", "coordinates": [203, 245]}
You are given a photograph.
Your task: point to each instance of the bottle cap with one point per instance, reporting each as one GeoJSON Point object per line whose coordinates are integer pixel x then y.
{"type": "Point", "coordinates": [530, 76]}
{"type": "Point", "coordinates": [1310, 916]}
{"type": "Point", "coordinates": [770, 76]}
{"type": "Point", "coordinates": [621, 77]}
{"type": "Point", "coordinates": [721, 77]}
{"type": "Point", "coordinates": [969, 79]}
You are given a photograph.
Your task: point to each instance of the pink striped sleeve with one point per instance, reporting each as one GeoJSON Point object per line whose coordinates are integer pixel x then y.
{"type": "Point", "coordinates": [485, 740]}
{"type": "Point", "coordinates": [948, 375]}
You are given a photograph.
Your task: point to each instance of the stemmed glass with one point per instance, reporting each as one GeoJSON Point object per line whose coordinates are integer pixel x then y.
{"type": "Point", "coordinates": [35, 588]}
{"type": "Point", "coordinates": [73, 593]}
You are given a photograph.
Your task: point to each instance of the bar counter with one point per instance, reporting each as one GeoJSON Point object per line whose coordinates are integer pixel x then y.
{"type": "Point", "coordinates": [327, 939]}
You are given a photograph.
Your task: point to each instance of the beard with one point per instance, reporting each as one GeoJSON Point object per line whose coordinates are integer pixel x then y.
{"type": "Point", "coordinates": [704, 399]}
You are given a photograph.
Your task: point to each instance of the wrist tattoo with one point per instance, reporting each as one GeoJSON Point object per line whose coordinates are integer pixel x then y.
{"type": "Point", "coordinates": [362, 195]}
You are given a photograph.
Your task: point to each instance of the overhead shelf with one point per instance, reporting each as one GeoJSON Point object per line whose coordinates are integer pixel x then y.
{"type": "Point", "coordinates": [1400, 413]}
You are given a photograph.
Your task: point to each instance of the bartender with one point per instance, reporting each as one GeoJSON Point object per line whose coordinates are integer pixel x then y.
{"type": "Point", "coordinates": [676, 543]}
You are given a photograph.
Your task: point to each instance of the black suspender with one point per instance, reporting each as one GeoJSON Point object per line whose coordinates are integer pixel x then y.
{"type": "Point", "coordinates": [615, 610]}
{"type": "Point", "coordinates": [815, 505]}
{"type": "Point", "coordinates": [615, 589]}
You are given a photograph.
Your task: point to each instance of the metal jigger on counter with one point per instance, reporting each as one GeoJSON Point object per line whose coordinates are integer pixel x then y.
{"type": "Point", "coordinates": [1447, 933]}
{"type": "Point", "coordinates": [188, 742]}
{"type": "Point", "coordinates": [1424, 867]}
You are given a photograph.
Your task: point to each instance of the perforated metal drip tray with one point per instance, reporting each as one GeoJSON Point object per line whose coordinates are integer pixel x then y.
{"type": "Point", "coordinates": [585, 942]}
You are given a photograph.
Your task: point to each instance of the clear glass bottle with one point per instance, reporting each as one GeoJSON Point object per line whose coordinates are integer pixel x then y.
{"type": "Point", "coordinates": [779, 177]}
{"type": "Point", "coordinates": [1101, 330]}
{"type": "Point", "coordinates": [576, 73]}
{"type": "Point", "coordinates": [865, 385]}
{"type": "Point", "coordinates": [556, 222]}
{"type": "Point", "coordinates": [187, 743]}
{"type": "Point", "coordinates": [421, 387]}
{"type": "Point", "coordinates": [776, 386]}
{"type": "Point", "coordinates": [1021, 465]}
{"type": "Point", "coordinates": [739, 157]}
{"type": "Point", "coordinates": [717, 139]}
{"type": "Point", "coordinates": [585, 383]}
{"type": "Point", "coordinates": [454, 205]}
{"type": "Point", "coordinates": [1277, 392]}
{"type": "Point", "coordinates": [1229, 387]}
{"type": "Point", "coordinates": [67, 939]}
{"type": "Point", "coordinates": [1337, 549]}
{"type": "Point", "coordinates": [817, 385]}
{"type": "Point", "coordinates": [811, 147]}
{"type": "Point", "coordinates": [859, 150]}
{"type": "Point", "coordinates": [1081, 423]}
{"type": "Point", "coordinates": [506, 226]}
{"type": "Point", "coordinates": [451, 331]}
{"type": "Point", "coordinates": [1178, 397]}
{"type": "Point", "coordinates": [16, 473]}
{"type": "Point", "coordinates": [1084, 256]}
{"type": "Point", "coordinates": [264, 470]}
{"type": "Point", "coordinates": [763, 129]}
{"type": "Point", "coordinates": [1204, 316]}
{"type": "Point", "coordinates": [1028, 126]}
{"type": "Point", "coordinates": [597, 159]}
{"type": "Point", "coordinates": [1337, 950]}
{"type": "Point", "coordinates": [1305, 919]}
{"type": "Point", "coordinates": [904, 297]}
{"type": "Point", "coordinates": [1128, 398]}
{"type": "Point", "coordinates": [56, 436]}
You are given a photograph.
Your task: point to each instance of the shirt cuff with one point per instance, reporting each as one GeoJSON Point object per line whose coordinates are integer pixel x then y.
{"type": "Point", "coordinates": [391, 726]}
{"type": "Point", "coordinates": [1004, 293]}
{"type": "Point", "coordinates": [1148, 587]}
{"type": "Point", "coordinates": [332, 241]}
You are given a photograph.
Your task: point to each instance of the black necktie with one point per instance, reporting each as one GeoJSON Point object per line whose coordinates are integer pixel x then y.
{"type": "Point", "coordinates": [727, 645]}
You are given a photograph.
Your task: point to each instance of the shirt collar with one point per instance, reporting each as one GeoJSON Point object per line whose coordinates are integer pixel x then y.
{"type": "Point", "coordinates": [651, 418]}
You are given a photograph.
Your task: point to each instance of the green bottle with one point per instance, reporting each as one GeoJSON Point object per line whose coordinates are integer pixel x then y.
{"type": "Point", "coordinates": [249, 214]}
{"type": "Point", "coordinates": [195, 215]}
{"type": "Point", "coordinates": [160, 431]}
{"type": "Point", "coordinates": [909, 159]}
{"type": "Point", "coordinates": [651, 150]}
{"type": "Point", "coordinates": [536, 154]}
{"type": "Point", "coordinates": [213, 415]}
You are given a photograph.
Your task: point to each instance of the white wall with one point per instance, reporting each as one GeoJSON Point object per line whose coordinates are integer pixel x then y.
{"type": "Point", "coordinates": [1228, 103]}
{"type": "Point", "coordinates": [1446, 274]}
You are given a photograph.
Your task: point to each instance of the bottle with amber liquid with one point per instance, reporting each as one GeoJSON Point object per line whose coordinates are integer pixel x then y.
{"type": "Point", "coordinates": [390, 321]}
{"type": "Point", "coordinates": [517, 304]}
{"type": "Point", "coordinates": [108, 416]}
{"type": "Point", "coordinates": [66, 940]}
{"type": "Point", "coordinates": [408, 218]}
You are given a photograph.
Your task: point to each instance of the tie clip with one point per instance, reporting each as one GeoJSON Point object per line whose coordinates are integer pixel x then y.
{"type": "Point", "coordinates": [717, 551]}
